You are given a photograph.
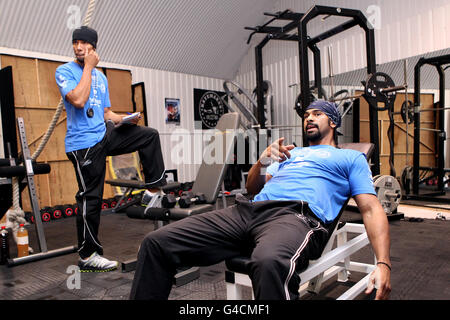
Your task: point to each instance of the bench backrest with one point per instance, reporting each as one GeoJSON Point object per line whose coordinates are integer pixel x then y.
{"type": "Point", "coordinates": [212, 171]}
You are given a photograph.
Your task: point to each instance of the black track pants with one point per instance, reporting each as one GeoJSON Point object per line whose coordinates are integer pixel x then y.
{"type": "Point", "coordinates": [279, 236]}
{"type": "Point", "coordinates": [90, 168]}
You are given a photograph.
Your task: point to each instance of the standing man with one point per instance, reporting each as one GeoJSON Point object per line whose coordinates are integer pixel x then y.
{"type": "Point", "coordinates": [299, 193]}
{"type": "Point", "coordinates": [91, 136]}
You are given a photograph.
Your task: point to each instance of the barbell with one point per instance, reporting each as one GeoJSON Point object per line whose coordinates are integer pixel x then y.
{"type": "Point", "coordinates": [407, 113]}
{"type": "Point", "coordinates": [378, 88]}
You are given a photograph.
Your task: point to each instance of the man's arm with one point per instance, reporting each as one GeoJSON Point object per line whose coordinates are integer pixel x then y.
{"type": "Point", "coordinates": [377, 228]}
{"type": "Point", "coordinates": [277, 152]}
{"type": "Point", "coordinates": [256, 180]}
{"type": "Point", "coordinates": [78, 96]}
{"type": "Point", "coordinates": [116, 118]}
{"type": "Point", "coordinates": [110, 115]}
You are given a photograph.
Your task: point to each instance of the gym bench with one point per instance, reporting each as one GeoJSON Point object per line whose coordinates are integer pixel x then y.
{"type": "Point", "coordinates": [334, 259]}
{"type": "Point", "coordinates": [332, 262]}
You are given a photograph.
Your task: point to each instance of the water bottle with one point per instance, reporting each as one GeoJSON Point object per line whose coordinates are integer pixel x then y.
{"type": "Point", "coordinates": [22, 241]}
{"type": "Point", "coordinates": [4, 245]}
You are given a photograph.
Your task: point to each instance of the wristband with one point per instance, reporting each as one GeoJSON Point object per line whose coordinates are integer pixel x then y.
{"type": "Point", "coordinates": [265, 161]}
{"type": "Point", "coordinates": [389, 267]}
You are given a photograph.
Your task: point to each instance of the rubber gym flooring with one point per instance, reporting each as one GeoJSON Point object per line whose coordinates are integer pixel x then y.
{"type": "Point", "coordinates": [420, 254]}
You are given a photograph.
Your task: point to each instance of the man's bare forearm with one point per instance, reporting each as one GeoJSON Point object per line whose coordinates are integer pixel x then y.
{"type": "Point", "coordinates": [377, 228]}
{"type": "Point", "coordinates": [376, 224]}
{"type": "Point", "coordinates": [256, 179]}
{"type": "Point", "coordinates": [80, 95]}
{"type": "Point", "coordinates": [110, 115]}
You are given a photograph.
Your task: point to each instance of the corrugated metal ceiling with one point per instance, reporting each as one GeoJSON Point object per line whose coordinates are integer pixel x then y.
{"type": "Point", "coordinates": [200, 37]}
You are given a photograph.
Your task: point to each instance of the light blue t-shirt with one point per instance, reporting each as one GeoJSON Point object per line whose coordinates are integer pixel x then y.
{"type": "Point", "coordinates": [323, 175]}
{"type": "Point", "coordinates": [83, 132]}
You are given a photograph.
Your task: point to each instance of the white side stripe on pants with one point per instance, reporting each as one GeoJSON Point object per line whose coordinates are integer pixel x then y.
{"type": "Point", "coordinates": [294, 260]}
{"type": "Point", "coordinates": [84, 205]}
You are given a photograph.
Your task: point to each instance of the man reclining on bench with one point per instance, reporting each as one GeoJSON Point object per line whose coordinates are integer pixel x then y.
{"type": "Point", "coordinates": [288, 222]}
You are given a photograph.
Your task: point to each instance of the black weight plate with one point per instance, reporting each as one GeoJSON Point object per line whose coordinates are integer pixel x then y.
{"type": "Point", "coordinates": [373, 94]}
{"type": "Point", "coordinates": [410, 112]}
{"type": "Point", "coordinates": [313, 97]}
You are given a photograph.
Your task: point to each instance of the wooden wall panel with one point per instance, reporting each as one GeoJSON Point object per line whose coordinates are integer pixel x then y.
{"type": "Point", "coordinates": [36, 99]}
{"type": "Point", "coordinates": [401, 156]}
{"type": "Point", "coordinates": [26, 92]}
{"type": "Point", "coordinates": [36, 125]}
{"type": "Point", "coordinates": [49, 93]}
{"type": "Point", "coordinates": [139, 104]}
{"type": "Point", "coordinates": [119, 82]}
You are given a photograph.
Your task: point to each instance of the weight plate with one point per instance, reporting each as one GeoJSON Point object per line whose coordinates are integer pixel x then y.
{"type": "Point", "coordinates": [68, 212]}
{"type": "Point", "coordinates": [406, 174]}
{"type": "Point", "coordinates": [389, 192]}
{"type": "Point", "coordinates": [314, 95]}
{"type": "Point", "coordinates": [46, 217]}
{"type": "Point", "coordinates": [56, 214]}
{"type": "Point", "coordinates": [373, 94]}
{"type": "Point", "coordinates": [341, 94]}
{"type": "Point", "coordinates": [410, 112]}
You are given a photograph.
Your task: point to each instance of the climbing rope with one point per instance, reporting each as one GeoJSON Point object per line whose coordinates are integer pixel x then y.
{"type": "Point", "coordinates": [16, 215]}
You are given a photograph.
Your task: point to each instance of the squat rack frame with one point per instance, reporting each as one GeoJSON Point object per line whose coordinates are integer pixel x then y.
{"type": "Point", "coordinates": [300, 21]}
{"type": "Point", "coordinates": [438, 62]}
{"type": "Point", "coordinates": [357, 19]}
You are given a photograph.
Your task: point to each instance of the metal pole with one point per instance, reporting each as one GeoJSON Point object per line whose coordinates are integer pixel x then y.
{"type": "Point", "coordinates": [259, 84]}
{"type": "Point", "coordinates": [304, 69]}
{"type": "Point", "coordinates": [373, 114]}
{"type": "Point", "coordinates": [31, 186]}
{"type": "Point", "coordinates": [317, 70]}
{"type": "Point", "coordinates": [441, 135]}
{"type": "Point", "coordinates": [416, 161]}
{"type": "Point", "coordinates": [331, 75]}
{"type": "Point", "coordinates": [405, 77]}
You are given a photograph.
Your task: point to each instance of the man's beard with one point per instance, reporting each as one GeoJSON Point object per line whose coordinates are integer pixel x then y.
{"type": "Point", "coordinates": [314, 137]}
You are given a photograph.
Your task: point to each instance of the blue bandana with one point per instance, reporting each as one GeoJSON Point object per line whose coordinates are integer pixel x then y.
{"type": "Point", "coordinates": [329, 108]}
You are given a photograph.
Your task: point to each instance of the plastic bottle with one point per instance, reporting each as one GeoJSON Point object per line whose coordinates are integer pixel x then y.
{"type": "Point", "coordinates": [22, 241]}
{"type": "Point", "coordinates": [4, 245]}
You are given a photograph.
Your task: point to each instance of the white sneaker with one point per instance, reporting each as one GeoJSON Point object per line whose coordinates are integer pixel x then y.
{"type": "Point", "coordinates": [152, 200]}
{"type": "Point", "coordinates": [146, 197]}
{"type": "Point", "coordinates": [96, 263]}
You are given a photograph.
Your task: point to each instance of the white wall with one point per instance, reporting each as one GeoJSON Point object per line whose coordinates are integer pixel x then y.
{"type": "Point", "coordinates": [160, 85]}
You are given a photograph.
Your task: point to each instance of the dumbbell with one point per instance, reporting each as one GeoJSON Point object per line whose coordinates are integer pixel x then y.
{"type": "Point", "coordinates": [68, 211]}
{"type": "Point", "coordinates": [188, 198]}
{"type": "Point", "coordinates": [29, 217]}
{"type": "Point", "coordinates": [75, 209]}
{"type": "Point", "coordinates": [57, 212]}
{"type": "Point", "coordinates": [105, 204]}
{"type": "Point", "coordinates": [184, 201]}
{"type": "Point", "coordinates": [46, 214]}
{"type": "Point", "coordinates": [169, 201]}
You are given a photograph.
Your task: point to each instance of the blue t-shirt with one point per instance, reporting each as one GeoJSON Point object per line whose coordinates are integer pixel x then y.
{"type": "Point", "coordinates": [83, 132]}
{"type": "Point", "coordinates": [322, 175]}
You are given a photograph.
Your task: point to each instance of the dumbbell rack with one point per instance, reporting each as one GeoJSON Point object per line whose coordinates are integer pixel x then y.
{"type": "Point", "coordinates": [44, 252]}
